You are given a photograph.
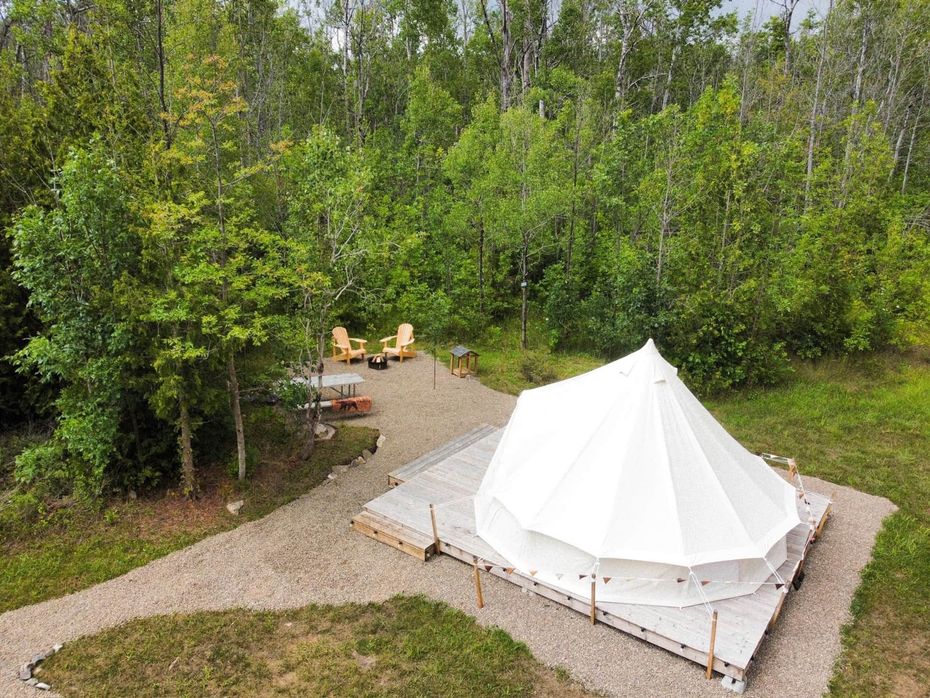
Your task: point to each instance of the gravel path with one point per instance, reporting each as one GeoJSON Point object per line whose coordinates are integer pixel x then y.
{"type": "Point", "coordinates": [305, 552]}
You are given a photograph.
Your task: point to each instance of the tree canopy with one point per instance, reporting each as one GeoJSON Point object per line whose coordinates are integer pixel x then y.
{"type": "Point", "coordinates": [194, 192]}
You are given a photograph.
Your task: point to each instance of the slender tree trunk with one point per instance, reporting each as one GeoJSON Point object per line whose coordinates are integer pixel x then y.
{"type": "Point", "coordinates": [892, 90]}
{"type": "Point", "coordinates": [315, 336]}
{"type": "Point", "coordinates": [524, 283]}
{"type": "Point", "coordinates": [856, 103]}
{"type": "Point", "coordinates": [363, 78]}
{"type": "Point", "coordinates": [661, 254]}
{"type": "Point", "coordinates": [899, 141]}
{"type": "Point", "coordinates": [910, 147]}
{"type": "Point", "coordinates": [666, 92]}
{"type": "Point", "coordinates": [526, 74]}
{"type": "Point", "coordinates": [346, 92]}
{"type": "Point", "coordinates": [524, 249]}
{"type": "Point", "coordinates": [812, 126]}
{"type": "Point", "coordinates": [481, 269]}
{"type": "Point", "coordinates": [724, 230]}
{"type": "Point", "coordinates": [860, 67]}
{"type": "Point", "coordinates": [541, 37]}
{"type": "Point", "coordinates": [235, 404]}
{"type": "Point", "coordinates": [789, 6]}
{"type": "Point", "coordinates": [570, 246]}
{"type": "Point", "coordinates": [160, 55]}
{"type": "Point", "coordinates": [665, 220]}
{"type": "Point", "coordinates": [506, 55]}
{"type": "Point", "coordinates": [312, 413]}
{"type": "Point", "coordinates": [620, 77]}
{"type": "Point", "coordinates": [188, 476]}
{"type": "Point", "coordinates": [232, 378]}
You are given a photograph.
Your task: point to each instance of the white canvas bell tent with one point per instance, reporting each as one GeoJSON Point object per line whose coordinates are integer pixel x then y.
{"type": "Point", "coordinates": [622, 473]}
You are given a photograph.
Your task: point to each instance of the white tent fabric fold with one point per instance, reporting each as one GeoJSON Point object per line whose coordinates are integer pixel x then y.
{"type": "Point", "coordinates": [621, 471]}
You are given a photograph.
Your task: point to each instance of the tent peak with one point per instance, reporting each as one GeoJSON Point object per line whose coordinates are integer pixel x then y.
{"type": "Point", "coordinates": [647, 358]}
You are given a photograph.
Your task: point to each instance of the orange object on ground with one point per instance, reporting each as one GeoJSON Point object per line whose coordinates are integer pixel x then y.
{"type": "Point", "coordinates": [348, 405]}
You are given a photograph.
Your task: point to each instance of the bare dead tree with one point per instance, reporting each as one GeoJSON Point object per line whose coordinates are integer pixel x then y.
{"type": "Point", "coordinates": [503, 48]}
{"type": "Point", "coordinates": [815, 107]}
{"type": "Point", "coordinates": [630, 13]}
{"type": "Point", "coordinates": [787, 14]}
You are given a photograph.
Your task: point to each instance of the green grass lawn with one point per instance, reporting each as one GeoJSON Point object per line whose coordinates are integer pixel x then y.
{"type": "Point", "coordinates": [71, 548]}
{"type": "Point", "coordinates": [407, 646]}
{"type": "Point", "coordinates": [863, 423]}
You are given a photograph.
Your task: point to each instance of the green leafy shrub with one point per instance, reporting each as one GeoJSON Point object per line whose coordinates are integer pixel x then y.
{"type": "Point", "coordinates": [537, 367]}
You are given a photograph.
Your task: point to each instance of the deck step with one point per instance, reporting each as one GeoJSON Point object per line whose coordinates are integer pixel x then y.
{"type": "Point", "coordinates": [396, 535]}
{"type": "Point", "coordinates": [427, 460]}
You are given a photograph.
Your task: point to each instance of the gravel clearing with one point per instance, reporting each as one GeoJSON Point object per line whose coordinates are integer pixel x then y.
{"type": "Point", "coordinates": [305, 552]}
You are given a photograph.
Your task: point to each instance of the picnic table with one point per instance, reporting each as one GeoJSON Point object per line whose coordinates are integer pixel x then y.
{"type": "Point", "coordinates": [344, 396]}
{"type": "Point", "coordinates": [344, 384]}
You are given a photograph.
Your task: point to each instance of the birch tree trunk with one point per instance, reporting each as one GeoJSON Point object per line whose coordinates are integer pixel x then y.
{"type": "Point", "coordinates": [812, 126]}
{"type": "Point", "coordinates": [235, 404]}
{"type": "Point", "coordinates": [506, 55]}
{"type": "Point", "coordinates": [856, 103]}
{"type": "Point", "coordinates": [666, 92]}
{"type": "Point", "coordinates": [910, 147]}
{"type": "Point", "coordinates": [629, 19]}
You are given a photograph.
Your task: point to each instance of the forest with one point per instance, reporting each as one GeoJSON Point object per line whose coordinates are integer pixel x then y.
{"type": "Point", "coordinates": [193, 192]}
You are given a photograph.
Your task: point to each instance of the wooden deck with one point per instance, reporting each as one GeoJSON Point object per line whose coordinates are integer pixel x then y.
{"type": "Point", "coordinates": [415, 467]}
{"type": "Point", "coordinates": [449, 477]}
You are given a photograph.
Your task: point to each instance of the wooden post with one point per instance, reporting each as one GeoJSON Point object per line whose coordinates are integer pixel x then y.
{"type": "Point", "coordinates": [781, 603]}
{"type": "Point", "coordinates": [451, 360]}
{"type": "Point", "coordinates": [823, 521]}
{"type": "Point", "coordinates": [432, 517]}
{"type": "Point", "coordinates": [593, 607]}
{"type": "Point", "coordinates": [710, 652]}
{"type": "Point", "coordinates": [478, 585]}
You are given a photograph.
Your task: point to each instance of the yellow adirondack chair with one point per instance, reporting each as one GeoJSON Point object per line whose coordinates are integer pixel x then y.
{"type": "Point", "coordinates": [403, 343]}
{"type": "Point", "coordinates": [342, 346]}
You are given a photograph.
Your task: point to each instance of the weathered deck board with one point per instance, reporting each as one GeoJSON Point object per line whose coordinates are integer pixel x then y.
{"type": "Point", "coordinates": [448, 478]}
{"type": "Point", "coordinates": [397, 536]}
{"type": "Point", "coordinates": [405, 472]}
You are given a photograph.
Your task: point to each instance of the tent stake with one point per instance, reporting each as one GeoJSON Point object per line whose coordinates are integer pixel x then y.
{"type": "Point", "coordinates": [710, 652]}
{"type": "Point", "coordinates": [478, 585]}
{"type": "Point", "coordinates": [432, 517]}
{"type": "Point", "coordinates": [593, 607]}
